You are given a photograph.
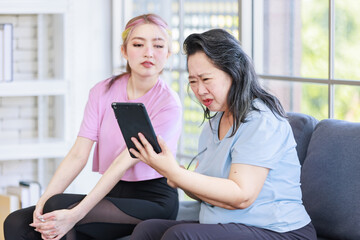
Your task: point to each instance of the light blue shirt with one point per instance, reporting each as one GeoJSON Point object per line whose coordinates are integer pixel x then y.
{"type": "Point", "coordinates": [265, 141]}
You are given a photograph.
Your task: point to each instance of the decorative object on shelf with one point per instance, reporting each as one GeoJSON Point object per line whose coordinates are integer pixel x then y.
{"type": "Point", "coordinates": [6, 52]}
{"type": "Point", "coordinates": [28, 192]}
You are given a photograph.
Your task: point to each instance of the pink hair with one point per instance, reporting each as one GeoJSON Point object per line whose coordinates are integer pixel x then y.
{"type": "Point", "coordinates": [143, 19]}
{"type": "Point", "coordinates": [147, 18]}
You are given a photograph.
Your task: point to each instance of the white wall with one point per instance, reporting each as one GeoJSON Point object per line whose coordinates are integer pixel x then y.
{"type": "Point", "coordinates": [89, 39]}
{"type": "Point", "coordinates": [92, 63]}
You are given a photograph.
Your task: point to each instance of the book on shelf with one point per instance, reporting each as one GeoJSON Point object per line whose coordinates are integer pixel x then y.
{"type": "Point", "coordinates": [6, 52]}
{"type": "Point", "coordinates": [28, 193]}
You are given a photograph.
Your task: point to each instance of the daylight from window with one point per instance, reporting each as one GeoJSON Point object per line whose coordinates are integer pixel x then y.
{"type": "Point", "coordinates": [309, 64]}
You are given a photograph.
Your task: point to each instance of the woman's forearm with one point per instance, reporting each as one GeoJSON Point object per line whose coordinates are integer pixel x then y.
{"type": "Point", "coordinates": [108, 180]}
{"type": "Point", "coordinates": [69, 168]}
{"type": "Point", "coordinates": [215, 191]}
{"type": "Point", "coordinates": [238, 191]}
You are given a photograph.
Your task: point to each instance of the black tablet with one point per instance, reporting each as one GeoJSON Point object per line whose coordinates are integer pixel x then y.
{"type": "Point", "coordinates": [132, 119]}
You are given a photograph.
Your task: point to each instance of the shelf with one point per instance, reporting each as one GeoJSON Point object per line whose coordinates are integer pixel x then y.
{"type": "Point", "coordinates": [33, 88]}
{"type": "Point", "coordinates": [33, 6]}
{"type": "Point", "coordinates": [50, 21]}
{"type": "Point", "coordinates": [54, 148]}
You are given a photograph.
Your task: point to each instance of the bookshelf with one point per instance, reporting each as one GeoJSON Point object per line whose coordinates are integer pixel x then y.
{"type": "Point", "coordinates": [50, 84]}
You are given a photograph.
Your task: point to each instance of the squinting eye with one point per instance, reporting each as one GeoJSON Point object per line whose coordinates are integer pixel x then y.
{"type": "Point", "coordinates": [137, 45]}
{"type": "Point", "coordinates": [159, 46]}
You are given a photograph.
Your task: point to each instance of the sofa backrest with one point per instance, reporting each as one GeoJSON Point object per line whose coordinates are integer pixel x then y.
{"type": "Point", "coordinates": [330, 179]}
{"type": "Point", "coordinates": [329, 152]}
{"type": "Point", "coordinates": [303, 126]}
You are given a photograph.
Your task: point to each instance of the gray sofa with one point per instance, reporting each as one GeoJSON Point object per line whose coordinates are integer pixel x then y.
{"type": "Point", "coordinates": [329, 152]}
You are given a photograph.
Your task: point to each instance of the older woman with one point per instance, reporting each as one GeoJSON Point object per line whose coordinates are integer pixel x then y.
{"type": "Point", "coordinates": [248, 174]}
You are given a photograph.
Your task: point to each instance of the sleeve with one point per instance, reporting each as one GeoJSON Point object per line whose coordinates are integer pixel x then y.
{"type": "Point", "coordinates": [167, 124]}
{"type": "Point", "coordinates": [89, 125]}
{"type": "Point", "coordinates": [261, 141]}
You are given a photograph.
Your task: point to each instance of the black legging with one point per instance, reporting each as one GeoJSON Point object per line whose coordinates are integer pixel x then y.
{"type": "Point", "coordinates": [127, 204]}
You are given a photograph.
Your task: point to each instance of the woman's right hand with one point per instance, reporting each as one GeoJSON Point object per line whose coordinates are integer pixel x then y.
{"type": "Point", "coordinates": [163, 162]}
{"type": "Point", "coordinates": [38, 212]}
{"type": "Point", "coordinates": [57, 223]}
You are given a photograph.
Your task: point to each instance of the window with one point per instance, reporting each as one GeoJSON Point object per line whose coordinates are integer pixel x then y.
{"type": "Point", "coordinates": [184, 17]}
{"type": "Point", "coordinates": [305, 52]}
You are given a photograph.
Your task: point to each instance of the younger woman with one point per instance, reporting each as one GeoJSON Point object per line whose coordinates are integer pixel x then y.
{"type": "Point", "coordinates": [248, 176]}
{"type": "Point", "coordinates": [129, 191]}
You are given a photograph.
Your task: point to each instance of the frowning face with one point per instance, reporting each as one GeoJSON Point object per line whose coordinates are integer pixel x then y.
{"type": "Point", "coordinates": [209, 84]}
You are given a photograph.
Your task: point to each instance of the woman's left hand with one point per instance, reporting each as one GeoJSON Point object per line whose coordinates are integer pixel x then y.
{"type": "Point", "coordinates": [54, 225]}
{"type": "Point", "coordinates": [164, 162]}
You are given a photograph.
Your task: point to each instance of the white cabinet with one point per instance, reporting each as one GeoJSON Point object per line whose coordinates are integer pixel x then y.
{"type": "Point", "coordinates": [41, 72]}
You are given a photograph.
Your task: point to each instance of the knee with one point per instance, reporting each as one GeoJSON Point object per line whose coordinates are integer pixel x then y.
{"type": "Point", "coordinates": [16, 221]}
{"type": "Point", "coordinates": [140, 231]}
{"type": "Point", "coordinates": [19, 218]}
{"type": "Point", "coordinates": [10, 224]}
{"type": "Point", "coordinates": [146, 230]}
{"type": "Point", "coordinates": [54, 203]}
{"type": "Point", "coordinates": [62, 201]}
{"type": "Point", "coordinates": [11, 220]}
{"type": "Point", "coordinates": [177, 232]}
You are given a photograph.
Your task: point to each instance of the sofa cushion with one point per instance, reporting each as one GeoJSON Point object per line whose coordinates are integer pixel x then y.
{"type": "Point", "coordinates": [330, 179]}
{"type": "Point", "coordinates": [302, 126]}
{"type": "Point", "coordinates": [188, 210]}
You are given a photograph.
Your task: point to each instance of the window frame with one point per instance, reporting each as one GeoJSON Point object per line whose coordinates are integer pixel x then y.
{"type": "Point", "coordinates": [247, 36]}
{"type": "Point", "coordinates": [330, 81]}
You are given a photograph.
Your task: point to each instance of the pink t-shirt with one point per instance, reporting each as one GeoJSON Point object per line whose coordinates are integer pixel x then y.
{"type": "Point", "coordinates": [100, 125]}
